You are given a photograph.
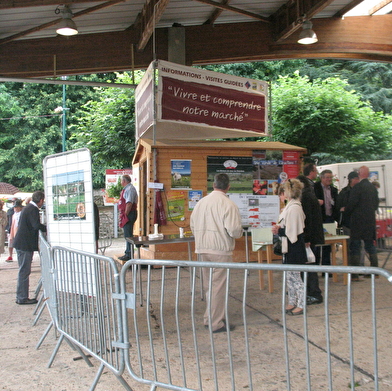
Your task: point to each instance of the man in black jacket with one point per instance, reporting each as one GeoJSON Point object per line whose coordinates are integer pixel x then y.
{"type": "Point", "coordinates": [344, 219]}
{"type": "Point", "coordinates": [25, 243]}
{"type": "Point", "coordinates": [361, 208]}
{"type": "Point", "coordinates": [313, 235]}
{"type": "Point", "coordinates": [326, 193]}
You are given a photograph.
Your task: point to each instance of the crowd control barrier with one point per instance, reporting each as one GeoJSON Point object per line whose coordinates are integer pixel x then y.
{"type": "Point", "coordinates": [384, 231]}
{"type": "Point", "coordinates": [162, 343]}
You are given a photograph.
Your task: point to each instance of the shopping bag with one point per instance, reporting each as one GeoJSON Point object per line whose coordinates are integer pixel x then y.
{"type": "Point", "coordinates": [310, 255]}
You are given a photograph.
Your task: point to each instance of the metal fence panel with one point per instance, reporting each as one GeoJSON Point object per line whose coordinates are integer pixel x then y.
{"type": "Point", "coordinates": [336, 345]}
{"type": "Point", "coordinates": [87, 290]}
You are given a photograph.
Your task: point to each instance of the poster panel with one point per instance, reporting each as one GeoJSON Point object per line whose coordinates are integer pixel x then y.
{"type": "Point", "coordinates": [257, 211]}
{"type": "Point", "coordinates": [69, 200]}
{"type": "Point", "coordinates": [238, 168]}
{"type": "Point", "coordinates": [111, 179]}
{"type": "Point", "coordinates": [180, 174]}
{"type": "Point", "coordinates": [70, 214]}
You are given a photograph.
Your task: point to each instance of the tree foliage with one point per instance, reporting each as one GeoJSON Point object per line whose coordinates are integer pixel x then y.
{"type": "Point", "coordinates": [338, 110]}
{"type": "Point", "coordinates": [107, 127]}
{"type": "Point", "coordinates": [324, 116]}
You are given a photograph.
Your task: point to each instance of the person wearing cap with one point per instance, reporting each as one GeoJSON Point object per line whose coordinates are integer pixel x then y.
{"type": "Point", "coordinates": [344, 219]}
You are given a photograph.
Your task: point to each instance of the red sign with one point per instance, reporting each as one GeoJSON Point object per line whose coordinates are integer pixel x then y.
{"type": "Point", "coordinates": [212, 105]}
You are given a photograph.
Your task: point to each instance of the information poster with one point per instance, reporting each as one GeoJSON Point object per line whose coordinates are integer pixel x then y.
{"type": "Point", "coordinates": [267, 172]}
{"type": "Point", "coordinates": [176, 204]}
{"type": "Point", "coordinates": [194, 196]}
{"type": "Point", "coordinates": [290, 163]}
{"type": "Point", "coordinates": [257, 211]}
{"type": "Point", "coordinates": [180, 174]}
{"type": "Point", "coordinates": [111, 179]}
{"type": "Point", "coordinates": [239, 169]}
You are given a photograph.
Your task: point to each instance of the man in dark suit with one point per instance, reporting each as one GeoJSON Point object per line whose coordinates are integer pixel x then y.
{"type": "Point", "coordinates": [327, 195]}
{"type": "Point", "coordinates": [25, 243]}
{"type": "Point", "coordinates": [313, 236]}
{"type": "Point", "coordinates": [361, 208]}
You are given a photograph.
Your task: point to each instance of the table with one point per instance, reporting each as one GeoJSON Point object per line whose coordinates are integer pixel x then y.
{"type": "Point", "coordinates": [140, 241]}
{"type": "Point", "coordinates": [329, 240]}
{"type": "Point", "coordinates": [338, 239]}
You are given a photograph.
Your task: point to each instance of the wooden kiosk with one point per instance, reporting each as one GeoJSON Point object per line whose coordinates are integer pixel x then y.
{"type": "Point", "coordinates": [183, 116]}
{"type": "Point", "coordinates": [197, 152]}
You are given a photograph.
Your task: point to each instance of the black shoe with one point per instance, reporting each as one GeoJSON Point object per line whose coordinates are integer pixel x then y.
{"type": "Point", "coordinates": [27, 301]}
{"type": "Point", "coordinates": [313, 300]}
{"type": "Point", "coordinates": [124, 258]}
{"type": "Point", "coordinates": [224, 328]}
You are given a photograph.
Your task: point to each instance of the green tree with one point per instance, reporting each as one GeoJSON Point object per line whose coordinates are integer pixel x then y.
{"type": "Point", "coordinates": [32, 130]}
{"type": "Point", "coordinates": [107, 127]}
{"type": "Point", "coordinates": [323, 116]}
{"type": "Point", "coordinates": [373, 80]}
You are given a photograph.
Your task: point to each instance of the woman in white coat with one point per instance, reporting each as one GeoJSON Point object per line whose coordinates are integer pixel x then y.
{"type": "Point", "coordinates": [290, 228]}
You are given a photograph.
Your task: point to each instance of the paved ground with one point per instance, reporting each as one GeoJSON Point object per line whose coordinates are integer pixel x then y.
{"type": "Point", "coordinates": [25, 368]}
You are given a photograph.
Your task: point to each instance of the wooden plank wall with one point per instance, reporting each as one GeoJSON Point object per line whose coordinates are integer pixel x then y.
{"type": "Point", "coordinates": [198, 182]}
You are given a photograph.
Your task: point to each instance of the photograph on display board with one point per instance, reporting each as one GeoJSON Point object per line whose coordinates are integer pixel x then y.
{"type": "Point", "coordinates": [69, 196]}
{"type": "Point", "coordinates": [267, 171]}
{"type": "Point", "coordinates": [238, 168]}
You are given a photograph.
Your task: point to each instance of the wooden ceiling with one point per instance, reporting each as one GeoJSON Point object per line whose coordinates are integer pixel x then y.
{"type": "Point", "coordinates": [128, 34]}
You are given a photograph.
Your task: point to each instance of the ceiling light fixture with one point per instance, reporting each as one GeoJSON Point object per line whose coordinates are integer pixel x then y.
{"type": "Point", "coordinates": [67, 26]}
{"type": "Point", "coordinates": [307, 35]}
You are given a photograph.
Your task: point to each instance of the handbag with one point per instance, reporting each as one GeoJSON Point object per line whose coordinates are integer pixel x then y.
{"type": "Point", "coordinates": [277, 245]}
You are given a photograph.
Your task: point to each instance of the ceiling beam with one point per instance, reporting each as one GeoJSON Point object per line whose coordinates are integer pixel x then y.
{"type": "Point", "coordinates": [58, 20]}
{"type": "Point", "coordinates": [147, 20]}
{"type": "Point", "coordinates": [361, 38]}
{"type": "Point", "coordinates": [347, 8]}
{"type": "Point", "coordinates": [290, 16]}
{"type": "Point", "coordinates": [227, 7]}
{"type": "Point", "coordinates": [67, 82]}
{"type": "Point", "coordinates": [215, 13]}
{"type": "Point", "coordinates": [379, 6]}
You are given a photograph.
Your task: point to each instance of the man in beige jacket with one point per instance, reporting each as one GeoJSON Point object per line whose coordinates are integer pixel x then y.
{"type": "Point", "coordinates": [216, 223]}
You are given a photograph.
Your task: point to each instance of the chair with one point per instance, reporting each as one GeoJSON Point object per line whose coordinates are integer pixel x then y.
{"type": "Point", "coordinates": [262, 238]}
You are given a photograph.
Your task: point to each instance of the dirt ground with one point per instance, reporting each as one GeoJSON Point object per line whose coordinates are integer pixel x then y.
{"type": "Point", "coordinates": [25, 368]}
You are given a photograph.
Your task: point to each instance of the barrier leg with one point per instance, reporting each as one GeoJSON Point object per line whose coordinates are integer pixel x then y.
{"type": "Point", "coordinates": [119, 377]}
{"type": "Point", "coordinates": [44, 335]}
{"type": "Point", "coordinates": [56, 348]}
{"type": "Point", "coordinates": [386, 260]}
{"type": "Point", "coordinates": [41, 308]}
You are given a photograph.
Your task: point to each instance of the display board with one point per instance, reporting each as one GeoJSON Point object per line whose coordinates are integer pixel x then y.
{"type": "Point", "coordinates": [69, 200]}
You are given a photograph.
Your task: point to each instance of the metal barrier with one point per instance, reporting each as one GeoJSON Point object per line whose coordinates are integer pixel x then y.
{"type": "Point", "coordinates": [384, 231]}
{"type": "Point", "coordinates": [268, 350]}
{"type": "Point", "coordinates": [163, 343]}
